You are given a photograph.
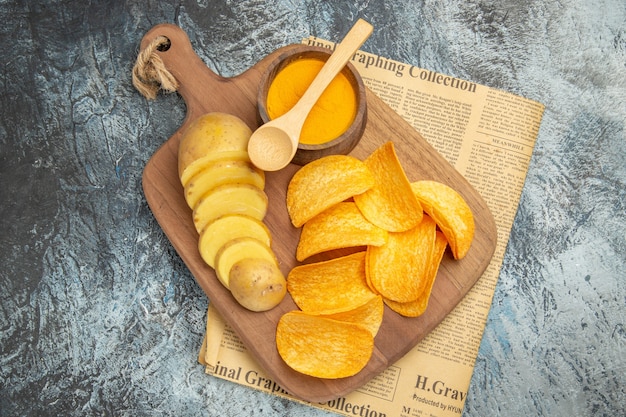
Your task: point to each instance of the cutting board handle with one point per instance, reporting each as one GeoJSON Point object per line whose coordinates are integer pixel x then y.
{"type": "Point", "coordinates": [181, 61]}
{"type": "Point", "coordinates": [202, 89]}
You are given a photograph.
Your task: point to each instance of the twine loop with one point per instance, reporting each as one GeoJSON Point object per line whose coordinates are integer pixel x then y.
{"type": "Point", "coordinates": [149, 72]}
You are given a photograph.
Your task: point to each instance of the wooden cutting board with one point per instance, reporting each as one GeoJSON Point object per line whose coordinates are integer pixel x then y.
{"type": "Point", "coordinates": [204, 91]}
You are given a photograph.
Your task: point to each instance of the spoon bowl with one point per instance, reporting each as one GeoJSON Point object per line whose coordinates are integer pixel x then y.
{"type": "Point", "coordinates": [268, 147]}
{"type": "Point", "coordinates": [275, 140]}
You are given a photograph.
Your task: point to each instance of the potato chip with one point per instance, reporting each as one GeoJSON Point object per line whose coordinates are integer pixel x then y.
{"type": "Point", "coordinates": [369, 315]}
{"type": "Point", "coordinates": [390, 204]}
{"type": "Point", "coordinates": [340, 226]}
{"type": "Point", "coordinates": [330, 286]}
{"type": "Point", "coordinates": [396, 270]}
{"type": "Point", "coordinates": [417, 307]}
{"type": "Point", "coordinates": [450, 211]}
{"type": "Point", "coordinates": [323, 183]}
{"type": "Point", "coordinates": [322, 347]}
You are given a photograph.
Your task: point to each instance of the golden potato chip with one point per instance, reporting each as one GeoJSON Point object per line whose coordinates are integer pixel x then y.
{"type": "Point", "coordinates": [322, 347]}
{"type": "Point", "coordinates": [369, 315]}
{"type": "Point", "coordinates": [330, 286]}
{"type": "Point", "coordinates": [417, 307]}
{"type": "Point", "coordinates": [390, 204]}
{"type": "Point", "coordinates": [451, 213]}
{"type": "Point", "coordinates": [396, 270]}
{"type": "Point", "coordinates": [340, 226]}
{"type": "Point", "coordinates": [323, 183]}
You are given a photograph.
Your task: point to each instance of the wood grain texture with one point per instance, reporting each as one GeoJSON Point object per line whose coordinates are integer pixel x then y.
{"type": "Point", "coordinates": [204, 91]}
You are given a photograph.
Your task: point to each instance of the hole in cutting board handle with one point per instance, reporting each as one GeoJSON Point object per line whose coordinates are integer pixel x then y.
{"type": "Point", "coordinates": [164, 46]}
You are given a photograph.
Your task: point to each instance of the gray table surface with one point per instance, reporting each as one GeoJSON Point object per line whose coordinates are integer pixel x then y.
{"type": "Point", "coordinates": [99, 316]}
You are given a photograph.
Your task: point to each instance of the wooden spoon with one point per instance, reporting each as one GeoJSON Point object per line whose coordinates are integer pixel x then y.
{"type": "Point", "coordinates": [273, 145]}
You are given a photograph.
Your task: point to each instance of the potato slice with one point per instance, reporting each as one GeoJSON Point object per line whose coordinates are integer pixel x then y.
{"type": "Point", "coordinates": [340, 226]}
{"type": "Point", "coordinates": [211, 134]}
{"type": "Point", "coordinates": [322, 347]}
{"type": "Point", "coordinates": [230, 199]}
{"type": "Point", "coordinates": [237, 249]}
{"type": "Point", "coordinates": [418, 307]}
{"type": "Point", "coordinates": [323, 183]}
{"type": "Point", "coordinates": [390, 204]}
{"type": "Point", "coordinates": [257, 284]}
{"type": "Point", "coordinates": [451, 213]}
{"type": "Point", "coordinates": [396, 270]}
{"type": "Point", "coordinates": [216, 173]}
{"type": "Point", "coordinates": [330, 286]}
{"type": "Point", "coordinates": [228, 227]}
{"type": "Point", "coordinates": [199, 164]}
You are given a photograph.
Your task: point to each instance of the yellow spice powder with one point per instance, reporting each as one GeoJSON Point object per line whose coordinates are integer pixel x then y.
{"type": "Point", "coordinates": [334, 111]}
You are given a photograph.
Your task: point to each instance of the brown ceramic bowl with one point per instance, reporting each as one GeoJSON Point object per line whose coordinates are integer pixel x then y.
{"type": "Point", "coordinates": [340, 145]}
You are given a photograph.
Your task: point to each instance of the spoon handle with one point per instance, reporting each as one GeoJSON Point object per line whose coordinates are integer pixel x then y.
{"type": "Point", "coordinates": [353, 40]}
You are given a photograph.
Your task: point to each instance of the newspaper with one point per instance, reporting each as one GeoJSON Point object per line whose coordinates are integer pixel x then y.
{"type": "Point", "coordinates": [488, 135]}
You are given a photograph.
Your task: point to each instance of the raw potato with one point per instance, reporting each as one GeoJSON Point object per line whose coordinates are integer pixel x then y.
{"type": "Point", "coordinates": [230, 199]}
{"type": "Point", "coordinates": [226, 228]}
{"type": "Point", "coordinates": [236, 250]}
{"type": "Point", "coordinates": [199, 165]}
{"type": "Point", "coordinates": [257, 284]}
{"type": "Point", "coordinates": [209, 136]}
{"type": "Point", "coordinates": [226, 194]}
{"type": "Point", "coordinates": [216, 173]}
